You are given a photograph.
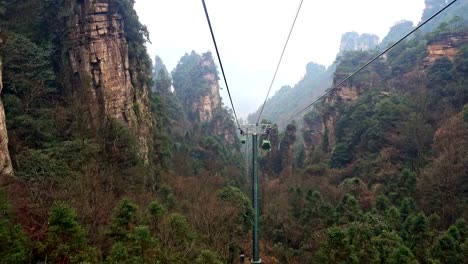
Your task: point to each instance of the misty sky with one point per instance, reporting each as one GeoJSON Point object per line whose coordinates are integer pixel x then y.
{"type": "Point", "coordinates": [251, 35]}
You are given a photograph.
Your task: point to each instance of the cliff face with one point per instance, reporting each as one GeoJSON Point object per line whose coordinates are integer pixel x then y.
{"type": "Point", "coordinates": [445, 45]}
{"type": "Point", "coordinates": [352, 41]}
{"type": "Point", "coordinates": [96, 52]}
{"type": "Point", "coordinates": [5, 162]}
{"type": "Point", "coordinates": [347, 93]}
{"type": "Point", "coordinates": [211, 100]}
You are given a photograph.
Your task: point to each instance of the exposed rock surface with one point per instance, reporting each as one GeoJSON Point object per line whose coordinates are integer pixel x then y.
{"type": "Point", "coordinates": [209, 101]}
{"type": "Point", "coordinates": [96, 52]}
{"type": "Point", "coordinates": [5, 162]}
{"type": "Point", "coordinates": [445, 45]}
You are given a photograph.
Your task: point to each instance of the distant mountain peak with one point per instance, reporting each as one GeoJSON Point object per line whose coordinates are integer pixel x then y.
{"type": "Point", "coordinates": [352, 41]}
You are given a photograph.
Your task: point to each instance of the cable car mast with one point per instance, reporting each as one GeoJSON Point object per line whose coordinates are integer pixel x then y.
{"type": "Point", "coordinates": [253, 131]}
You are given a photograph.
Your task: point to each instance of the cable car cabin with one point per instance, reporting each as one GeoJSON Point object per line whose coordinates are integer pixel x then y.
{"type": "Point", "coordinates": [266, 145]}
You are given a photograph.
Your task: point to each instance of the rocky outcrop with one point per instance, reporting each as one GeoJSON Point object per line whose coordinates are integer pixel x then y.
{"type": "Point", "coordinates": [352, 41]}
{"type": "Point", "coordinates": [206, 104]}
{"type": "Point", "coordinates": [5, 162]}
{"type": "Point", "coordinates": [96, 52]}
{"type": "Point", "coordinates": [445, 45]}
{"type": "Point", "coordinates": [344, 94]}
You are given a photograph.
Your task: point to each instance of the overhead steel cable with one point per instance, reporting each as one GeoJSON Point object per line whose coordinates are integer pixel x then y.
{"type": "Point", "coordinates": [374, 59]}
{"type": "Point", "coordinates": [220, 63]}
{"type": "Point", "coordinates": [280, 60]}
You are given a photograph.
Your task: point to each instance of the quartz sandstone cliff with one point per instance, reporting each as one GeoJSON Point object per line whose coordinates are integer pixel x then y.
{"type": "Point", "coordinates": [5, 162]}
{"type": "Point", "coordinates": [96, 53]}
{"type": "Point", "coordinates": [445, 45]}
{"type": "Point", "coordinates": [207, 103]}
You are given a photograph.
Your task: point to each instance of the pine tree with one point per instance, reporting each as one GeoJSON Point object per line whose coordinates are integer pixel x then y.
{"type": "Point", "coordinates": [66, 240]}
{"type": "Point", "coordinates": [348, 210]}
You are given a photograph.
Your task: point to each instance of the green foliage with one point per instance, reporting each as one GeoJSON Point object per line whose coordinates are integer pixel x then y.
{"type": "Point", "coordinates": [336, 248]}
{"type": "Point", "coordinates": [290, 99]}
{"type": "Point", "coordinates": [66, 239]}
{"type": "Point", "coordinates": [156, 209]}
{"type": "Point", "coordinates": [416, 235]}
{"type": "Point", "coordinates": [349, 61]}
{"type": "Point", "coordinates": [207, 257]}
{"type": "Point", "coordinates": [188, 76]}
{"type": "Point", "coordinates": [177, 239]}
{"type": "Point", "coordinates": [136, 35]}
{"type": "Point", "coordinates": [448, 247]}
{"type": "Point", "coordinates": [397, 31]}
{"type": "Point", "coordinates": [124, 219]}
{"type": "Point", "coordinates": [139, 247]}
{"type": "Point", "coordinates": [341, 156]}
{"type": "Point", "coordinates": [382, 203]}
{"type": "Point", "coordinates": [2, 7]}
{"type": "Point", "coordinates": [465, 113]}
{"type": "Point", "coordinates": [14, 245]}
{"type": "Point", "coordinates": [37, 165]}
{"type": "Point", "coordinates": [28, 72]}
{"type": "Point", "coordinates": [393, 218]}
{"type": "Point", "coordinates": [365, 127]}
{"type": "Point", "coordinates": [404, 185]}
{"type": "Point", "coordinates": [348, 210]}
{"type": "Point", "coordinates": [164, 110]}
{"type": "Point", "coordinates": [353, 186]}
{"type": "Point", "coordinates": [167, 196]}
{"type": "Point", "coordinates": [161, 78]}
{"type": "Point", "coordinates": [236, 197]}
{"type": "Point", "coordinates": [316, 212]}
{"type": "Point", "coordinates": [121, 147]}
{"type": "Point", "coordinates": [402, 255]}
{"type": "Point", "coordinates": [440, 72]}
{"type": "Point", "coordinates": [403, 57]}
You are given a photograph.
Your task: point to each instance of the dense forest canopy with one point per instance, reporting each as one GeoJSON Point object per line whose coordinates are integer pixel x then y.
{"type": "Point", "coordinates": [146, 166]}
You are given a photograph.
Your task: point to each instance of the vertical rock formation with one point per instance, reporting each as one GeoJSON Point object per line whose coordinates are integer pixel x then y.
{"type": "Point", "coordinates": [196, 85]}
{"type": "Point", "coordinates": [287, 150]}
{"type": "Point", "coordinates": [97, 54]}
{"type": "Point", "coordinates": [352, 41]}
{"type": "Point", "coordinates": [5, 162]}
{"type": "Point", "coordinates": [206, 104]}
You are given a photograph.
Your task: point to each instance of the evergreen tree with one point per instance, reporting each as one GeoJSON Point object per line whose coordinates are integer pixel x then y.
{"type": "Point", "coordinates": [66, 240]}
{"type": "Point", "coordinates": [348, 210]}
{"type": "Point", "coordinates": [448, 247]}
{"type": "Point", "coordinates": [417, 236]}
{"type": "Point", "coordinates": [124, 220]}
{"type": "Point", "coordinates": [336, 248]}
{"type": "Point", "coordinates": [14, 245]}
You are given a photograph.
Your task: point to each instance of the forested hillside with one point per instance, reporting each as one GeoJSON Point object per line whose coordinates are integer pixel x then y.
{"type": "Point", "coordinates": [317, 79]}
{"type": "Point", "coordinates": [107, 164]}
{"type": "Point", "coordinates": [293, 99]}
{"type": "Point", "coordinates": [382, 174]}
{"type": "Point", "coordinates": [108, 157]}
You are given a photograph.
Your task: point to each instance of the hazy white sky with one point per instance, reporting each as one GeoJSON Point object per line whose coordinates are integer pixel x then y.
{"type": "Point", "coordinates": [251, 35]}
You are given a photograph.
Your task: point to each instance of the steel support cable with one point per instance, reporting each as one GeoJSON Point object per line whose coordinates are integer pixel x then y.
{"type": "Point", "coordinates": [374, 59]}
{"type": "Point", "coordinates": [280, 60]}
{"type": "Point", "coordinates": [220, 63]}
